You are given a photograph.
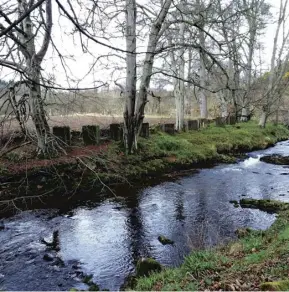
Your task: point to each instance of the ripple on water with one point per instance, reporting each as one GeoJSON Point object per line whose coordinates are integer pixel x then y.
{"type": "Point", "coordinates": [107, 238]}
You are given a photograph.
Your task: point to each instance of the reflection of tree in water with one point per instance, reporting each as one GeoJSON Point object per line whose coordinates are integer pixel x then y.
{"type": "Point", "coordinates": [199, 237]}
{"type": "Point", "coordinates": [212, 225]}
{"type": "Point", "coordinates": [179, 210]}
{"type": "Point", "coordinates": [135, 229]}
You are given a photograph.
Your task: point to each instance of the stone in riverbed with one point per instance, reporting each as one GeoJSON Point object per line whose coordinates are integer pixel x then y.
{"type": "Point", "coordinates": [129, 283]}
{"type": "Point", "coordinates": [275, 286]}
{"type": "Point", "coordinates": [54, 244]}
{"type": "Point", "coordinates": [93, 287]}
{"type": "Point", "coordinates": [276, 159]}
{"type": "Point", "coordinates": [243, 232]}
{"type": "Point", "coordinates": [146, 266]}
{"type": "Point", "coordinates": [163, 240]}
{"type": "Point", "coordinates": [269, 206]}
{"type": "Point", "coordinates": [235, 203]}
{"type": "Point", "coordinates": [48, 257]}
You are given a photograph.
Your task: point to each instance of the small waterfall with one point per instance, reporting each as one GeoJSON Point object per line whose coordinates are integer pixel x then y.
{"type": "Point", "coordinates": [251, 161]}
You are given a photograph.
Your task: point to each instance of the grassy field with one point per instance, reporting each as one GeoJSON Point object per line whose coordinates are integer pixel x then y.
{"type": "Point", "coordinates": [258, 261]}
{"type": "Point", "coordinates": [76, 121]}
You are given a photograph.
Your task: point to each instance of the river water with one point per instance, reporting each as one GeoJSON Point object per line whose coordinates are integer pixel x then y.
{"type": "Point", "coordinates": [106, 236]}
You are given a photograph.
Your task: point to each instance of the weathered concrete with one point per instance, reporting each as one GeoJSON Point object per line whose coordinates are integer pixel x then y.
{"type": "Point", "coordinates": [220, 121]}
{"type": "Point", "coordinates": [203, 123]}
{"type": "Point", "coordinates": [231, 120]}
{"type": "Point", "coordinates": [116, 132]}
{"type": "Point", "coordinates": [168, 128]}
{"type": "Point", "coordinates": [193, 125]}
{"type": "Point", "coordinates": [90, 134]}
{"type": "Point", "coordinates": [145, 130]}
{"type": "Point", "coordinates": [63, 134]}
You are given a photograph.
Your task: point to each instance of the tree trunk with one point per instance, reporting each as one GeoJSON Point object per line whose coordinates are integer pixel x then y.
{"type": "Point", "coordinates": [263, 119]}
{"type": "Point", "coordinates": [134, 112]}
{"type": "Point", "coordinates": [244, 114]}
{"type": "Point", "coordinates": [223, 106]}
{"type": "Point", "coordinates": [130, 89]}
{"type": "Point", "coordinates": [180, 107]}
{"type": "Point", "coordinates": [269, 95]}
{"type": "Point", "coordinates": [46, 144]}
{"type": "Point", "coordinates": [188, 94]}
{"type": "Point", "coordinates": [180, 85]}
{"type": "Point", "coordinates": [203, 95]}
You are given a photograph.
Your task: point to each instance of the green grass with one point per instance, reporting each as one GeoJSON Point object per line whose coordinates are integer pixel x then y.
{"type": "Point", "coordinates": [211, 141]}
{"type": "Point", "coordinates": [257, 261]}
{"type": "Point", "coordinates": [162, 152]}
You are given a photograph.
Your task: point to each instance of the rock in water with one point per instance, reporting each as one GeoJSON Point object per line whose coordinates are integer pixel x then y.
{"type": "Point", "coordinates": [55, 241]}
{"type": "Point", "coordinates": [275, 286]}
{"type": "Point", "coordinates": [48, 257]}
{"type": "Point", "coordinates": [163, 240]}
{"type": "Point", "coordinates": [243, 232]}
{"type": "Point", "coordinates": [145, 266]}
{"type": "Point", "coordinates": [276, 159]}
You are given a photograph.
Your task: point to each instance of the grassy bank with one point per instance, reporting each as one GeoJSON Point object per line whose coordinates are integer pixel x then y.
{"type": "Point", "coordinates": [210, 145]}
{"type": "Point", "coordinates": [258, 261]}
{"type": "Point", "coordinates": [104, 165]}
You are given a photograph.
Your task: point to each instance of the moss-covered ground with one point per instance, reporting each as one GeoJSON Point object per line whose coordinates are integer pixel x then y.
{"type": "Point", "coordinates": [162, 152]}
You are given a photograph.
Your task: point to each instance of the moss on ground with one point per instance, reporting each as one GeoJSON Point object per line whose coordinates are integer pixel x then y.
{"type": "Point", "coordinates": [264, 205]}
{"type": "Point", "coordinates": [163, 152]}
{"type": "Point", "coordinates": [257, 261]}
{"type": "Point", "coordinates": [275, 286]}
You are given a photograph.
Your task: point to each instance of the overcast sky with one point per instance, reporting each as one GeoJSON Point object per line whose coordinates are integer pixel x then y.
{"type": "Point", "coordinates": [79, 62]}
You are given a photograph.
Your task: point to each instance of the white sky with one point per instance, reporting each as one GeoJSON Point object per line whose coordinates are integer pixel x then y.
{"type": "Point", "coordinates": [82, 62]}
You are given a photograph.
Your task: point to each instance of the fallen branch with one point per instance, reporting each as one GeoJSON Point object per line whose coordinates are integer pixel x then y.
{"type": "Point", "coordinates": [13, 148]}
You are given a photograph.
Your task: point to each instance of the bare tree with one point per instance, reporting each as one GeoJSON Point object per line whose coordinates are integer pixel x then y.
{"type": "Point", "coordinates": [134, 115]}
{"type": "Point", "coordinates": [278, 66]}
{"type": "Point", "coordinates": [21, 56]}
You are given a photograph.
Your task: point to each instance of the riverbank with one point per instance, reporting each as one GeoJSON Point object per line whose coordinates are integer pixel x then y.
{"type": "Point", "coordinates": [256, 261]}
{"type": "Point", "coordinates": [106, 165]}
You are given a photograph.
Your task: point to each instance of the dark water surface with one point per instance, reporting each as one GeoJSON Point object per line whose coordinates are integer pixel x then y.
{"type": "Point", "coordinates": [106, 237]}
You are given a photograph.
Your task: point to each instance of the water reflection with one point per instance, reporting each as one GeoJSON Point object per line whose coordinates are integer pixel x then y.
{"type": "Point", "coordinates": [108, 237]}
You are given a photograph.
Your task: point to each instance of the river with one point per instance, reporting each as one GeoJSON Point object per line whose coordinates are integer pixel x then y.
{"type": "Point", "coordinates": [105, 236]}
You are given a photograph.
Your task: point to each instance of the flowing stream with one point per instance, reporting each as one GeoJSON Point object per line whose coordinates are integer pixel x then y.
{"type": "Point", "coordinates": [106, 236]}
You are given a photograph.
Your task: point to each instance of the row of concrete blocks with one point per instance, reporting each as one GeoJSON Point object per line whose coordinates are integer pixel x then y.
{"type": "Point", "coordinates": [91, 133]}
{"type": "Point", "coordinates": [195, 125]}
